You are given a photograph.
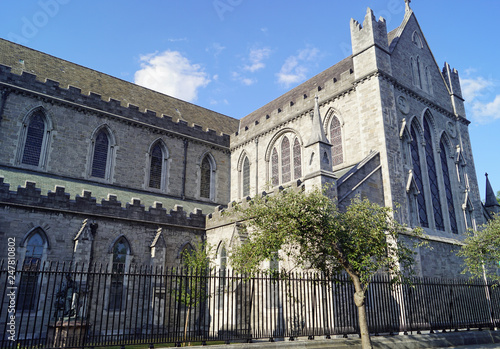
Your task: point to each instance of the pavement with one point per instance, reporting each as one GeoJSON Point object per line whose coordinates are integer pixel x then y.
{"type": "Point", "coordinates": [449, 340]}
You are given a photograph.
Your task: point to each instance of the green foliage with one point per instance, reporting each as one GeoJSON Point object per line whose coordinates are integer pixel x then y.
{"type": "Point", "coordinates": [481, 251]}
{"type": "Point", "coordinates": [196, 264]}
{"type": "Point", "coordinates": [310, 230]}
{"type": "Point", "coordinates": [498, 196]}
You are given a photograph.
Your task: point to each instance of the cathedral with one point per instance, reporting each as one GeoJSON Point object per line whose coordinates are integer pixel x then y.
{"type": "Point", "coordinates": [94, 169]}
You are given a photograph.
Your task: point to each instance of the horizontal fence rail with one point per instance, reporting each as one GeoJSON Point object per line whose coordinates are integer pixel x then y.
{"type": "Point", "coordinates": [59, 305]}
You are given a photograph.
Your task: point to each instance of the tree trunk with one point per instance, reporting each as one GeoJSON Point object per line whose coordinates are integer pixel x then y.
{"type": "Point", "coordinates": [186, 325]}
{"type": "Point", "coordinates": [359, 300]}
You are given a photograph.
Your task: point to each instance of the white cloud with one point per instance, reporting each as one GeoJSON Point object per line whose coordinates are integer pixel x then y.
{"type": "Point", "coordinates": [216, 102]}
{"type": "Point", "coordinates": [477, 94]}
{"type": "Point", "coordinates": [171, 73]}
{"type": "Point", "coordinates": [176, 39]}
{"type": "Point", "coordinates": [484, 112]}
{"type": "Point", "coordinates": [244, 80]}
{"type": "Point", "coordinates": [256, 58]}
{"type": "Point", "coordinates": [216, 49]}
{"type": "Point", "coordinates": [472, 88]}
{"type": "Point", "coordinates": [295, 68]}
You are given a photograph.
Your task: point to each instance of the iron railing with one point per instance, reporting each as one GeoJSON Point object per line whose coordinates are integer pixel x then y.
{"type": "Point", "coordinates": [59, 305]}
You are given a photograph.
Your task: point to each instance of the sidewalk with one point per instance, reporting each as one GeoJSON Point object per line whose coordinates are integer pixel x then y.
{"type": "Point", "coordinates": [449, 340]}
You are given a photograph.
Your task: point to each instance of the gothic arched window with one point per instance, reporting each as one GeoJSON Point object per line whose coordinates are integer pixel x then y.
{"type": "Point", "coordinates": [34, 139]}
{"type": "Point", "coordinates": [417, 172]}
{"type": "Point", "coordinates": [433, 179]}
{"type": "Point", "coordinates": [246, 177]}
{"type": "Point", "coordinates": [186, 251]}
{"type": "Point", "coordinates": [413, 72]}
{"type": "Point", "coordinates": [297, 159]}
{"type": "Point", "coordinates": [35, 246]}
{"type": "Point", "coordinates": [156, 167]}
{"type": "Point", "coordinates": [206, 178]}
{"type": "Point", "coordinates": [120, 251]}
{"type": "Point", "coordinates": [275, 180]}
{"type": "Point", "coordinates": [336, 140]}
{"type": "Point", "coordinates": [285, 160]}
{"type": "Point", "coordinates": [100, 155]}
{"type": "Point", "coordinates": [419, 73]}
{"type": "Point", "coordinates": [223, 266]}
{"type": "Point", "coordinates": [428, 80]}
{"type": "Point", "coordinates": [448, 189]}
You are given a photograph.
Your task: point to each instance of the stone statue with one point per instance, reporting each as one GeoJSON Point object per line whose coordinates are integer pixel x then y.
{"type": "Point", "coordinates": [67, 299]}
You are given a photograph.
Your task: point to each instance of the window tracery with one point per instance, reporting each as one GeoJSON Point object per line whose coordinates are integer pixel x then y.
{"type": "Point", "coordinates": [448, 188]}
{"type": "Point", "coordinates": [206, 178]}
{"type": "Point", "coordinates": [417, 173]}
{"type": "Point", "coordinates": [120, 251]}
{"type": "Point", "coordinates": [35, 247]}
{"type": "Point", "coordinates": [433, 179]}
{"type": "Point", "coordinates": [336, 140]}
{"type": "Point", "coordinates": [274, 168]}
{"type": "Point", "coordinates": [297, 159]}
{"type": "Point", "coordinates": [285, 160]}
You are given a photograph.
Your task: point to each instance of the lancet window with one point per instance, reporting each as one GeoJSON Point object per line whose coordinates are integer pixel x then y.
{"type": "Point", "coordinates": [285, 163]}
{"type": "Point", "coordinates": [246, 177]}
{"type": "Point", "coordinates": [417, 172]}
{"type": "Point", "coordinates": [120, 251]}
{"type": "Point", "coordinates": [433, 178]}
{"type": "Point", "coordinates": [206, 178]}
{"type": "Point", "coordinates": [336, 140]}
{"type": "Point", "coordinates": [448, 188]}
{"type": "Point", "coordinates": [285, 160]}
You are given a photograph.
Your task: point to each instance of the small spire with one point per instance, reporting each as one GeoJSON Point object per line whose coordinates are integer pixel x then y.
{"type": "Point", "coordinates": [317, 131]}
{"type": "Point", "coordinates": [491, 199]}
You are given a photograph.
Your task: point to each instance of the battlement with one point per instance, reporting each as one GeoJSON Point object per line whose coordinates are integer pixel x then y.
{"type": "Point", "coordinates": [223, 216]}
{"type": "Point", "coordinates": [299, 101]}
{"type": "Point", "coordinates": [452, 80]}
{"type": "Point", "coordinates": [370, 33]}
{"type": "Point", "coordinates": [31, 196]}
{"type": "Point", "coordinates": [112, 106]}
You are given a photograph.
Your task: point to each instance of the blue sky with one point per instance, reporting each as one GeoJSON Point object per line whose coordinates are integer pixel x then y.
{"type": "Point", "coordinates": [233, 56]}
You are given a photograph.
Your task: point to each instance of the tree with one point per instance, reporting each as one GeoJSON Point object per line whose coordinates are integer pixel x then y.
{"type": "Point", "coordinates": [481, 251]}
{"type": "Point", "coordinates": [191, 290]}
{"type": "Point", "coordinates": [309, 229]}
{"type": "Point", "coordinates": [498, 196]}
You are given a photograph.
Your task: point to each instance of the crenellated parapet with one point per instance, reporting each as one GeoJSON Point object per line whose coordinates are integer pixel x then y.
{"type": "Point", "coordinates": [224, 216]}
{"type": "Point", "coordinates": [452, 81]}
{"type": "Point", "coordinates": [52, 92]}
{"type": "Point", "coordinates": [371, 32]}
{"type": "Point", "coordinates": [329, 85]}
{"type": "Point", "coordinates": [31, 197]}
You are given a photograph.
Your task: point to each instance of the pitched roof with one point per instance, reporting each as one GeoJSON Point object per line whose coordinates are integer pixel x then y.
{"type": "Point", "coordinates": [299, 91]}
{"type": "Point", "coordinates": [44, 66]}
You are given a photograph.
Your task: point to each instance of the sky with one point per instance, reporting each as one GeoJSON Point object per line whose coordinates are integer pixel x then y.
{"type": "Point", "coordinates": [234, 56]}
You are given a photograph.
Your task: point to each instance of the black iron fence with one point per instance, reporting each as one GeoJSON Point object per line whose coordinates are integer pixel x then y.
{"type": "Point", "coordinates": [58, 305]}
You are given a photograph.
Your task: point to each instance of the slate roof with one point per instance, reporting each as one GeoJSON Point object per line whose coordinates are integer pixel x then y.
{"type": "Point", "coordinates": [299, 91]}
{"type": "Point", "coordinates": [44, 66]}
